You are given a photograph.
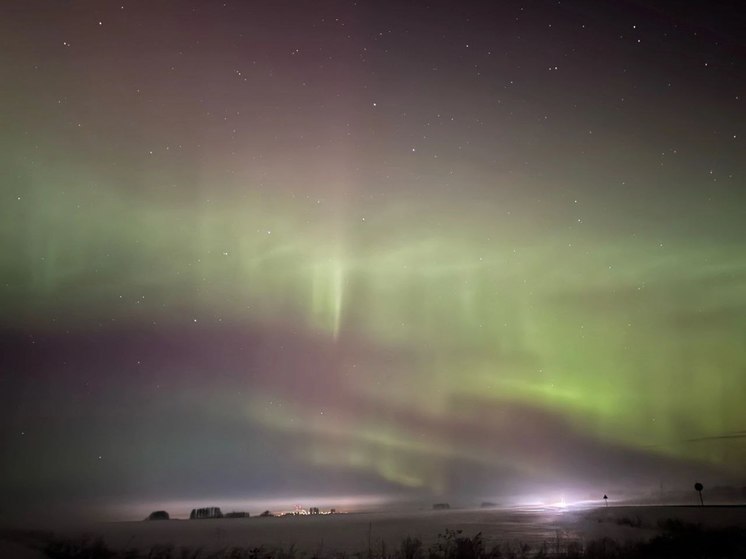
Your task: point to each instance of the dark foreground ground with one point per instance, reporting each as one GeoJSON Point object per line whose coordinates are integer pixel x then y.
{"type": "Point", "coordinates": [616, 532]}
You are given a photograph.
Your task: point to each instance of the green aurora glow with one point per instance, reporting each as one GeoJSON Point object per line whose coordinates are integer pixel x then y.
{"type": "Point", "coordinates": [447, 269]}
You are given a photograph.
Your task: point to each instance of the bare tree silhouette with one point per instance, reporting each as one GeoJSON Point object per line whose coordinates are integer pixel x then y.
{"type": "Point", "coordinates": [698, 487]}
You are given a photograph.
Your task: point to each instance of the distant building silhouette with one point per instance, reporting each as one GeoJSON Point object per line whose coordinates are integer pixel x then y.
{"type": "Point", "coordinates": [206, 512]}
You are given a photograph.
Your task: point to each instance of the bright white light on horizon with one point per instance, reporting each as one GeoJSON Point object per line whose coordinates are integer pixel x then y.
{"type": "Point", "coordinates": [561, 504]}
{"type": "Point", "coordinates": [553, 503]}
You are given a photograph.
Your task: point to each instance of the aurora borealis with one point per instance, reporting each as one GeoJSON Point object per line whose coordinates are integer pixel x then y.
{"type": "Point", "coordinates": [464, 250]}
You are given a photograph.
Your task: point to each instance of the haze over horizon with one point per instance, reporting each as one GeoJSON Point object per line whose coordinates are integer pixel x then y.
{"type": "Point", "coordinates": [437, 250]}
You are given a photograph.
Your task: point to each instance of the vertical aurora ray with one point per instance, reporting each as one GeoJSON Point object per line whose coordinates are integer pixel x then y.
{"type": "Point", "coordinates": [327, 286]}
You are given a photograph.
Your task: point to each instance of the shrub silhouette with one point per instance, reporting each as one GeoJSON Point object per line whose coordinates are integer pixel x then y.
{"type": "Point", "coordinates": [452, 545]}
{"type": "Point", "coordinates": [82, 548]}
{"type": "Point", "coordinates": [684, 541]}
{"type": "Point", "coordinates": [411, 548]}
{"type": "Point", "coordinates": [634, 522]}
{"type": "Point", "coordinates": [677, 540]}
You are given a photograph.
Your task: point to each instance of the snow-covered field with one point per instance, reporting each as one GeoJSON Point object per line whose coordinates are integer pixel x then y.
{"type": "Point", "coordinates": [354, 533]}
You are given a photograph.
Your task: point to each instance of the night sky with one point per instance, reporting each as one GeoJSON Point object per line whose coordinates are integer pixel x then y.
{"type": "Point", "coordinates": [355, 250]}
